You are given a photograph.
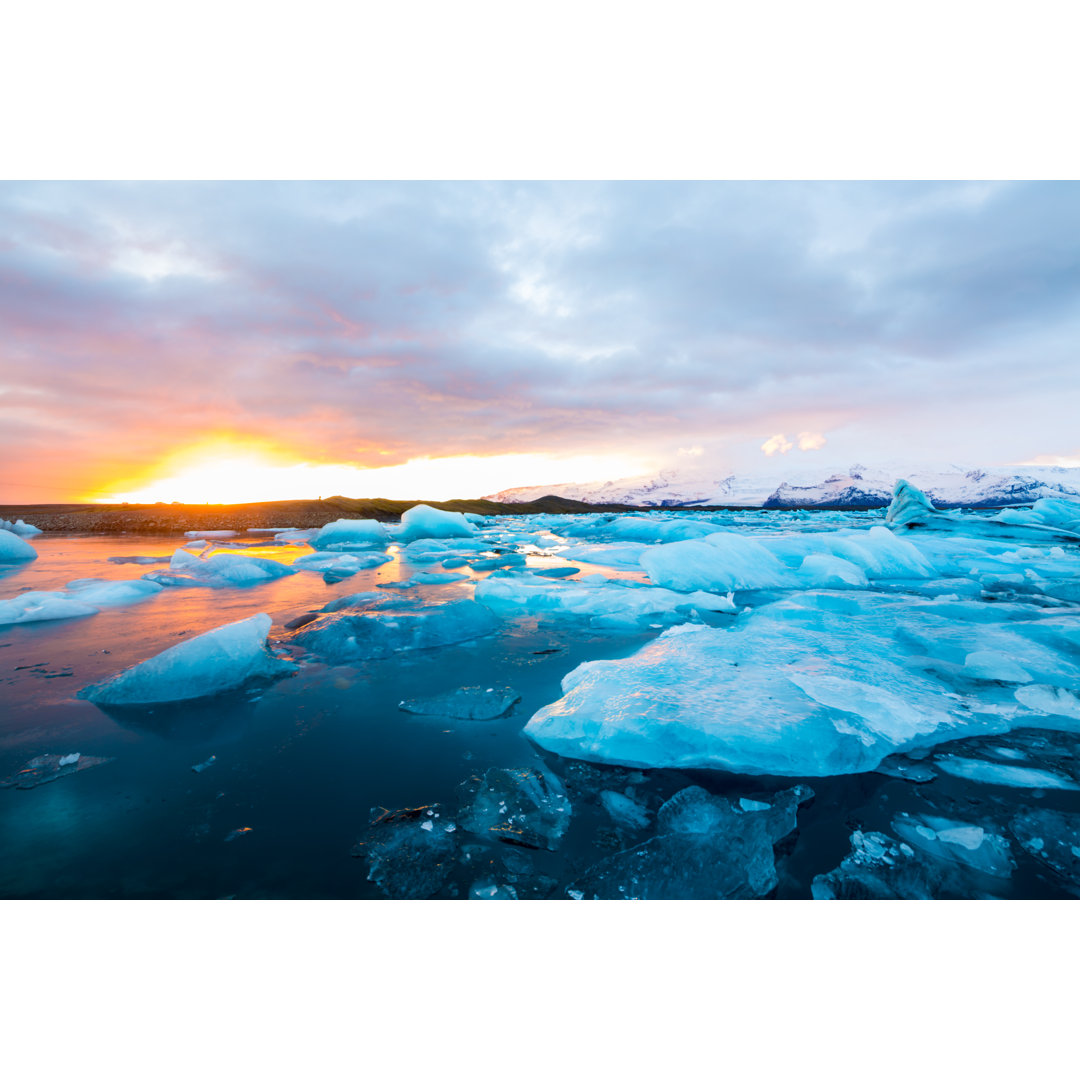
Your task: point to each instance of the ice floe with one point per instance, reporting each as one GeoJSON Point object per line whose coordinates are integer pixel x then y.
{"type": "Point", "coordinates": [816, 684]}
{"type": "Point", "coordinates": [218, 571]}
{"type": "Point", "coordinates": [222, 659]}
{"type": "Point", "coordinates": [345, 534]}
{"type": "Point", "coordinates": [465, 703]}
{"type": "Point", "coordinates": [345, 636]}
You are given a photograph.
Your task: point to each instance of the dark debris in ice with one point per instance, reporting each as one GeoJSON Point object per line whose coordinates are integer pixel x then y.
{"type": "Point", "coordinates": [521, 806]}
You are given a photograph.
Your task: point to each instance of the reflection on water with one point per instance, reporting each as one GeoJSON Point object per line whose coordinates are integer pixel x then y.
{"type": "Point", "coordinates": [268, 791]}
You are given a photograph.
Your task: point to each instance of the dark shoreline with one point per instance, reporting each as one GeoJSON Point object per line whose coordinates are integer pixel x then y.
{"type": "Point", "coordinates": [99, 518]}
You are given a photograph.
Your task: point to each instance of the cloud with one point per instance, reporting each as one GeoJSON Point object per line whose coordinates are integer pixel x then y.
{"type": "Point", "coordinates": [374, 323]}
{"type": "Point", "coordinates": [777, 444]}
{"type": "Point", "coordinates": [811, 440]}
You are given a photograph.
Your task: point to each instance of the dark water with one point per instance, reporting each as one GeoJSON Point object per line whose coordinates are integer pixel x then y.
{"type": "Point", "coordinates": [303, 763]}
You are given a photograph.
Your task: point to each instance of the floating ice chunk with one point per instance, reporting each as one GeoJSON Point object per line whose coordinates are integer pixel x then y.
{"type": "Point", "coordinates": [830, 572]}
{"type": "Point", "coordinates": [465, 703]}
{"type": "Point", "coordinates": [1050, 699]}
{"type": "Point", "coordinates": [20, 528]}
{"type": "Point", "coordinates": [424, 578]}
{"type": "Point", "coordinates": [203, 765]}
{"type": "Point", "coordinates": [342, 566]}
{"type": "Point", "coordinates": [347, 534]}
{"type": "Point", "coordinates": [490, 890]}
{"type": "Point", "coordinates": [43, 607]}
{"type": "Point", "coordinates": [296, 536]}
{"type": "Point", "coordinates": [218, 571]}
{"type": "Point", "coordinates": [15, 549]}
{"type": "Point", "coordinates": [617, 556]}
{"type": "Point", "coordinates": [589, 598]}
{"type": "Point", "coordinates": [425, 521]}
{"type": "Point", "coordinates": [624, 811]}
{"type": "Point", "coordinates": [437, 549]}
{"type": "Point", "coordinates": [995, 667]}
{"type": "Point", "coordinates": [48, 767]}
{"type": "Point", "coordinates": [751, 806]}
{"type": "Point", "coordinates": [104, 593]}
{"type": "Point", "coordinates": [878, 869]}
{"type": "Point", "coordinates": [990, 772]}
{"type": "Point", "coordinates": [405, 860]}
{"type": "Point", "coordinates": [221, 659]}
{"type": "Point", "coordinates": [904, 769]}
{"type": "Point", "coordinates": [705, 849]}
{"type": "Point", "coordinates": [244, 830]}
{"type": "Point", "coordinates": [142, 560]}
{"type": "Point", "coordinates": [1052, 837]}
{"type": "Point", "coordinates": [522, 806]}
{"type": "Point", "coordinates": [344, 636]}
{"type": "Point", "coordinates": [211, 534]}
{"type": "Point", "coordinates": [957, 842]}
{"type": "Point", "coordinates": [553, 571]}
{"type": "Point", "coordinates": [721, 562]}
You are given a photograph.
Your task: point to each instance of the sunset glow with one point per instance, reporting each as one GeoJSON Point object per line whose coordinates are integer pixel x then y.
{"type": "Point", "coordinates": [236, 472]}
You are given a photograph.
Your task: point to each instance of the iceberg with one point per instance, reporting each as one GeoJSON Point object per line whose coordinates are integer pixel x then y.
{"type": "Point", "coordinates": [911, 509]}
{"type": "Point", "coordinates": [345, 636]}
{"type": "Point", "coordinates": [220, 660]}
{"type": "Point", "coordinates": [102, 593]}
{"type": "Point", "coordinates": [15, 549]}
{"type": "Point", "coordinates": [345, 534]}
{"type": "Point", "coordinates": [425, 521]}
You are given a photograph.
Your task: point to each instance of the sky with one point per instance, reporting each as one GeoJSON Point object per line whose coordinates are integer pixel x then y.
{"type": "Point", "coordinates": [207, 341]}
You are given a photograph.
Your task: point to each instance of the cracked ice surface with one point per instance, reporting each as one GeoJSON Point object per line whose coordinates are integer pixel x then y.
{"type": "Point", "coordinates": [814, 685]}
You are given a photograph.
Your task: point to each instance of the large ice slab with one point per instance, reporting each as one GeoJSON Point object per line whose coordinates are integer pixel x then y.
{"type": "Point", "coordinates": [31, 607]}
{"type": "Point", "coordinates": [465, 703]}
{"type": "Point", "coordinates": [346, 636]}
{"type": "Point", "coordinates": [14, 548]}
{"type": "Point", "coordinates": [521, 806]}
{"type": "Point", "coordinates": [815, 685]}
{"type": "Point", "coordinates": [212, 663]}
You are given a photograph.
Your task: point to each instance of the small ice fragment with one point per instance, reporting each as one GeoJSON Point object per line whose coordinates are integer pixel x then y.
{"type": "Point", "coordinates": [750, 805]}
{"type": "Point", "coordinates": [575, 894]}
{"type": "Point", "coordinates": [68, 759]}
{"type": "Point", "coordinates": [242, 831]}
{"type": "Point", "coordinates": [426, 826]}
{"type": "Point", "coordinates": [204, 764]}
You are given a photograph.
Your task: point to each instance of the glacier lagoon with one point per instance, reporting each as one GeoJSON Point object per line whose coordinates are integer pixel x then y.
{"type": "Point", "coordinates": [669, 704]}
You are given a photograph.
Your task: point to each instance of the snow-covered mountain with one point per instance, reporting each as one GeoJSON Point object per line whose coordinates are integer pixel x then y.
{"type": "Point", "coordinates": [855, 486]}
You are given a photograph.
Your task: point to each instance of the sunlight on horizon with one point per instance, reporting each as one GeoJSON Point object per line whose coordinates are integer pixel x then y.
{"type": "Point", "coordinates": [228, 474]}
